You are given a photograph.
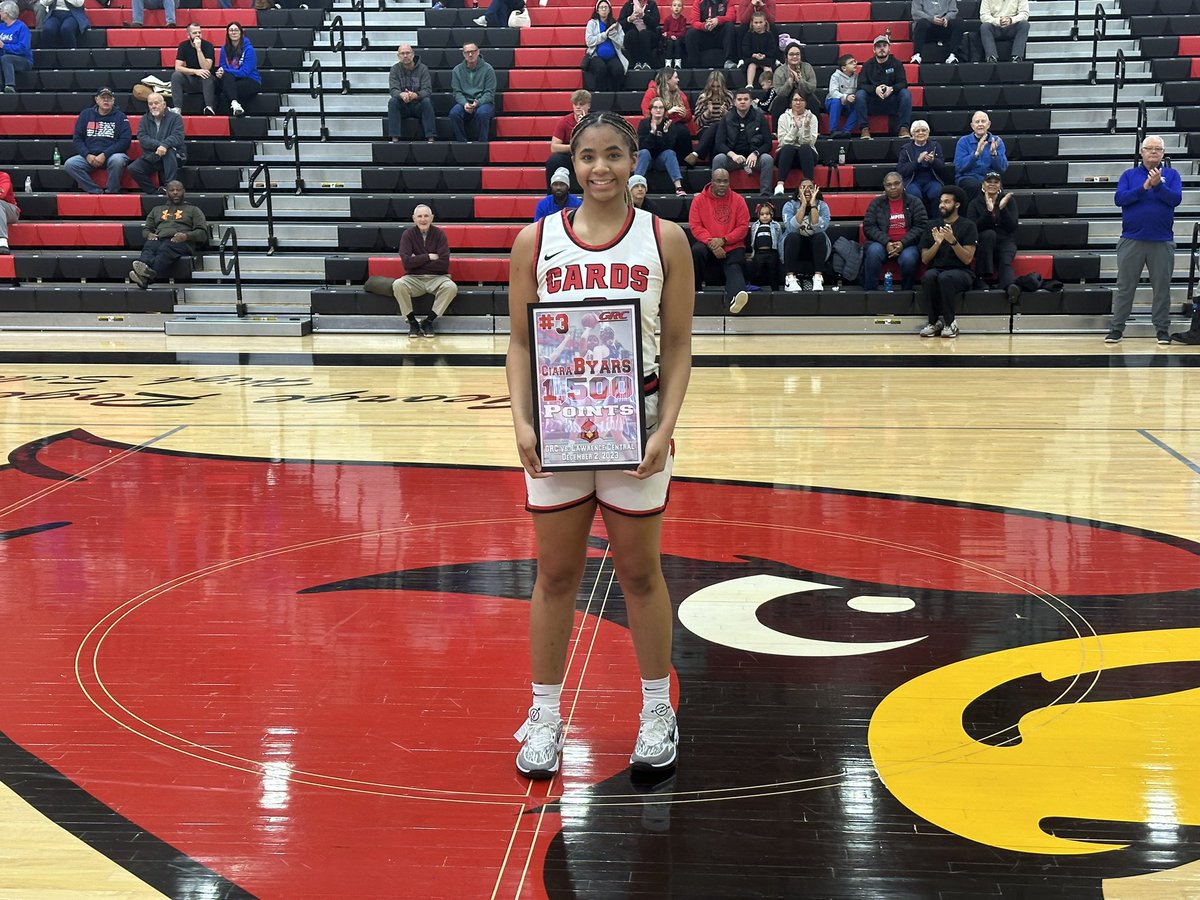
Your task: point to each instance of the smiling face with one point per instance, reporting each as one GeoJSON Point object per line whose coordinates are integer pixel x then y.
{"type": "Point", "coordinates": [423, 217]}
{"type": "Point", "coordinates": [980, 123]}
{"type": "Point", "coordinates": [920, 135]}
{"type": "Point", "coordinates": [603, 161]}
{"type": "Point", "coordinates": [1152, 152]}
{"type": "Point", "coordinates": [794, 56]}
{"type": "Point", "coordinates": [799, 104]}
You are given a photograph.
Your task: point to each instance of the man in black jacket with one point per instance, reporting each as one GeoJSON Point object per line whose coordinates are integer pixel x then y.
{"type": "Point", "coordinates": [744, 141]}
{"type": "Point", "coordinates": [893, 226]}
{"type": "Point", "coordinates": [883, 88]}
{"type": "Point", "coordinates": [994, 213]}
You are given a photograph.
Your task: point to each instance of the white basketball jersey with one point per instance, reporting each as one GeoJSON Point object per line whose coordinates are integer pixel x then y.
{"type": "Point", "coordinates": [628, 266]}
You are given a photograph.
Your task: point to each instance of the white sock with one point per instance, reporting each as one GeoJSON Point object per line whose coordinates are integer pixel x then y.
{"type": "Point", "coordinates": [654, 692]}
{"type": "Point", "coordinates": [548, 697]}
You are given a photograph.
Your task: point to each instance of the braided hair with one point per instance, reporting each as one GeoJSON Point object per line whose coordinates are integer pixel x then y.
{"type": "Point", "coordinates": [617, 121]}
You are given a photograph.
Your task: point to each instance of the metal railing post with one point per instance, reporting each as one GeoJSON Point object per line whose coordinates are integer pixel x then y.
{"type": "Point", "coordinates": [257, 200]}
{"type": "Point", "coordinates": [1099, 30]}
{"type": "Point", "coordinates": [316, 90]}
{"type": "Point", "coordinates": [291, 141]}
{"type": "Point", "coordinates": [233, 266]}
{"type": "Point", "coordinates": [1118, 83]}
{"type": "Point", "coordinates": [337, 29]}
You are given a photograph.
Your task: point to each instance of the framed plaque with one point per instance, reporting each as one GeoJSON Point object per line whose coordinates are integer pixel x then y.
{"type": "Point", "coordinates": [588, 399]}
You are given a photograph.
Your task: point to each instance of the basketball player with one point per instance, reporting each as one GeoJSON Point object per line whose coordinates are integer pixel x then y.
{"type": "Point", "coordinates": [605, 230]}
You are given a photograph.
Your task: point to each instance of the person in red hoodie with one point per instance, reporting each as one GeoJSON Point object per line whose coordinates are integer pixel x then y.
{"type": "Point", "coordinates": [713, 27]}
{"type": "Point", "coordinates": [719, 221]}
{"type": "Point", "coordinates": [9, 211]}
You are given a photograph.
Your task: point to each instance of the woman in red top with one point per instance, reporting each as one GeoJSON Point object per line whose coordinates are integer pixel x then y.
{"type": "Point", "coordinates": [679, 111]}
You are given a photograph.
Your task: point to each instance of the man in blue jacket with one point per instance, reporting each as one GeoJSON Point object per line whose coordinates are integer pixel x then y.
{"type": "Point", "coordinates": [560, 196]}
{"type": "Point", "coordinates": [1147, 194]}
{"type": "Point", "coordinates": [102, 136]}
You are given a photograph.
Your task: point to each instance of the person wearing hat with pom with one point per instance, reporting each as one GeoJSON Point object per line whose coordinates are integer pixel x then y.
{"type": "Point", "coordinates": [560, 196]}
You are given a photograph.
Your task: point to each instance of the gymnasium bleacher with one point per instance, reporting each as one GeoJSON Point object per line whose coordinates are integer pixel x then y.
{"type": "Point", "coordinates": [339, 204]}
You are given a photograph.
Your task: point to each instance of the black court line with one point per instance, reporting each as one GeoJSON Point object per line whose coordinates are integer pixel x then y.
{"type": "Point", "coordinates": [1149, 360]}
{"type": "Point", "coordinates": [1162, 445]}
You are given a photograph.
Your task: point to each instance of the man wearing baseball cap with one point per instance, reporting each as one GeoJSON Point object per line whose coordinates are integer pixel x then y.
{"type": "Point", "coordinates": [560, 196]}
{"type": "Point", "coordinates": [883, 88]}
{"type": "Point", "coordinates": [994, 213]}
{"type": "Point", "coordinates": [102, 137]}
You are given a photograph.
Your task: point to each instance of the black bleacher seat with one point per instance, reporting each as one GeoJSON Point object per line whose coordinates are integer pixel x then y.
{"type": "Point", "coordinates": [1155, 26]}
{"type": "Point", "coordinates": [434, 37]}
{"type": "Point", "coordinates": [1181, 93]}
{"type": "Point", "coordinates": [1159, 47]}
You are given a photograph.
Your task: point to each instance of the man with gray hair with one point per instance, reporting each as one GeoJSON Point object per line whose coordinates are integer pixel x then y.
{"type": "Point", "coordinates": [425, 252]}
{"type": "Point", "coordinates": [160, 135]}
{"type": "Point", "coordinates": [1147, 194]}
{"type": "Point", "coordinates": [411, 88]}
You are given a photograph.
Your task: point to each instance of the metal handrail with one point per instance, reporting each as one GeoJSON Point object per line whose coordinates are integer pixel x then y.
{"type": "Point", "coordinates": [316, 90]}
{"type": "Point", "coordinates": [1191, 289]}
{"type": "Point", "coordinates": [1143, 125]}
{"type": "Point", "coordinates": [361, 6]}
{"type": "Point", "coordinates": [233, 266]}
{"type": "Point", "coordinates": [291, 141]}
{"type": "Point", "coordinates": [258, 199]}
{"type": "Point", "coordinates": [1075, 23]}
{"type": "Point", "coordinates": [1118, 83]}
{"type": "Point", "coordinates": [338, 28]}
{"type": "Point", "coordinates": [1099, 30]}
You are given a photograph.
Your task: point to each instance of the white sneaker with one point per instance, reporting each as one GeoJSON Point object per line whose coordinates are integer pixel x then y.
{"type": "Point", "coordinates": [739, 302]}
{"type": "Point", "coordinates": [818, 282]}
{"type": "Point", "coordinates": [916, 58]}
{"type": "Point", "coordinates": [791, 285]}
{"type": "Point", "coordinates": [543, 2]}
{"type": "Point", "coordinates": [951, 60]}
{"type": "Point", "coordinates": [933, 329]}
{"type": "Point", "coordinates": [481, 21]}
{"type": "Point", "coordinates": [657, 742]}
{"type": "Point", "coordinates": [177, 110]}
{"type": "Point", "coordinates": [779, 189]}
{"type": "Point", "coordinates": [236, 108]}
{"type": "Point", "coordinates": [541, 743]}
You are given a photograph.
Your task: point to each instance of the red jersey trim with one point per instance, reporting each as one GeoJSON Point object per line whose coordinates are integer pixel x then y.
{"type": "Point", "coordinates": [595, 247]}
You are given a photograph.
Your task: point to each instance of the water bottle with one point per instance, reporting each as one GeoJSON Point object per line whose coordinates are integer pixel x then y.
{"type": "Point", "coordinates": [841, 156]}
{"type": "Point", "coordinates": [888, 282]}
{"type": "Point", "coordinates": [28, 185]}
{"type": "Point", "coordinates": [57, 156]}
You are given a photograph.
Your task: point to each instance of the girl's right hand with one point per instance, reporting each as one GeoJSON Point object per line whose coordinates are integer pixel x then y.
{"type": "Point", "coordinates": [527, 451]}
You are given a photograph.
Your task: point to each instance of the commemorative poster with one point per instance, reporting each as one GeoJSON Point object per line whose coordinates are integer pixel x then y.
{"type": "Point", "coordinates": [588, 402]}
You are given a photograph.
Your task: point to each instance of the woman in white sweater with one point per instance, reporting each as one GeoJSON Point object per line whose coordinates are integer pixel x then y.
{"type": "Point", "coordinates": [797, 135]}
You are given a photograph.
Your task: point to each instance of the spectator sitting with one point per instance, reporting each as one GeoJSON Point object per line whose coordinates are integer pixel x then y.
{"type": "Point", "coordinates": [1007, 19]}
{"type": "Point", "coordinates": [560, 141]}
{"type": "Point", "coordinates": [138, 13]}
{"type": "Point", "coordinates": [760, 48]}
{"type": "Point", "coordinates": [679, 111]}
{"type": "Point", "coordinates": [559, 197]}
{"type": "Point", "coordinates": [498, 13]}
{"type": "Point", "coordinates": [674, 34]}
{"type": "Point", "coordinates": [637, 192]}
{"type": "Point", "coordinates": [936, 20]}
{"type": "Point", "coordinates": [160, 135]}
{"type": "Point", "coordinates": [712, 103]}
{"type": "Point", "coordinates": [948, 249]}
{"type": "Point", "coordinates": [238, 71]}
{"type": "Point", "coordinates": [744, 139]}
{"type": "Point", "coordinates": [194, 61]}
{"type": "Point", "coordinates": [794, 75]}
{"type": "Point", "coordinates": [425, 253]}
{"type": "Point", "coordinates": [883, 88]}
{"type": "Point", "coordinates": [604, 64]}
{"type": "Point", "coordinates": [994, 213]}
{"type": "Point", "coordinates": [806, 246]}
{"type": "Point", "coordinates": [712, 28]}
{"type": "Point", "coordinates": [765, 98]}
{"type": "Point", "coordinates": [719, 220]}
{"type": "Point", "coordinates": [843, 88]}
{"type": "Point", "coordinates": [893, 226]}
{"type": "Point", "coordinates": [763, 266]}
{"type": "Point", "coordinates": [172, 230]}
{"type": "Point", "coordinates": [657, 145]}
{"type": "Point", "coordinates": [639, 23]}
{"type": "Point", "coordinates": [9, 211]}
{"type": "Point", "coordinates": [920, 165]}
{"type": "Point", "coordinates": [474, 84]}
{"type": "Point", "coordinates": [62, 22]}
{"type": "Point", "coordinates": [747, 11]}
{"type": "Point", "coordinates": [16, 53]}
{"type": "Point", "coordinates": [102, 137]}
{"type": "Point", "coordinates": [411, 87]}
{"type": "Point", "coordinates": [978, 153]}
{"type": "Point", "coordinates": [797, 135]}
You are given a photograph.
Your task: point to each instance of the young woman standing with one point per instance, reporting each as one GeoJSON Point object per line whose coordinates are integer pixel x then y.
{"type": "Point", "coordinates": [605, 231]}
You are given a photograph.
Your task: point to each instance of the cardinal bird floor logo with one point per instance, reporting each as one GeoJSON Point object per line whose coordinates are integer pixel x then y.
{"type": "Point", "coordinates": [295, 679]}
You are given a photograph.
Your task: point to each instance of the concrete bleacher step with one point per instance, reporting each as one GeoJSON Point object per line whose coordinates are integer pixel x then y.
{"type": "Point", "coordinates": [284, 178]}
{"type": "Point", "coordinates": [253, 235]}
{"type": "Point", "coordinates": [323, 205]}
{"type": "Point", "coordinates": [1101, 201]}
{"type": "Point", "coordinates": [1048, 72]}
{"type": "Point", "coordinates": [1057, 94]}
{"type": "Point", "coordinates": [253, 325]}
{"type": "Point", "coordinates": [258, 298]}
{"type": "Point", "coordinates": [1157, 116]}
{"type": "Point", "coordinates": [1066, 9]}
{"type": "Point", "coordinates": [1104, 232]}
{"type": "Point", "coordinates": [1111, 169]}
{"type": "Point", "coordinates": [1118, 145]}
{"type": "Point", "coordinates": [366, 60]}
{"type": "Point", "coordinates": [1061, 50]}
{"type": "Point", "coordinates": [290, 267]}
{"type": "Point", "coordinates": [309, 125]}
{"type": "Point", "coordinates": [315, 151]}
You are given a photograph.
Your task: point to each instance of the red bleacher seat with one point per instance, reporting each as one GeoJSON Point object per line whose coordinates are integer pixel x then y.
{"type": "Point", "coordinates": [505, 206]}
{"type": "Point", "coordinates": [1195, 73]}
{"type": "Point", "coordinates": [1042, 264]}
{"type": "Point", "coordinates": [790, 11]}
{"type": "Point", "coordinates": [8, 268]}
{"type": "Point", "coordinates": [525, 126]}
{"type": "Point", "coordinates": [37, 126]}
{"type": "Point", "coordinates": [100, 206]}
{"type": "Point", "coordinates": [549, 57]}
{"type": "Point", "coordinates": [537, 80]}
{"type": "Point", "coordinates": [848, 206]}
{"type": "Point", "coordinates": [463, 269]}
{"type": "Point", "coordinates": [537, 102]}
{"type": "Point", "coordinates": [562, 15]}
{"type": "Point", "coordinates": [480, 237]}
{"type": "Point", "coordinates": [158, 37]}
{"type": "Point", "coordinates": [864, 50]}
{"type": "Point", "coordinates": [514, 179]}
{"type": "Point", "coordinates": [519, 151]}
{"type": "Point", "coordinates": [1189, 45]}
{"type": "Point", "coordinates": [67, 234]}
{"type": "Point", "coordinates": [865, 32]}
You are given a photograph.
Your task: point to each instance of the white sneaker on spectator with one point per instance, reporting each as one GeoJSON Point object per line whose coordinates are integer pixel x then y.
{"type": "Point", "coordinates": [481, 21]}
{"type": "Point", "coordinates": [730, 64]}
{"type": "Point", "coordinates": [739, 302]}
{"type": "Point", "coordinates": [791, 285]}
{"type": "Point", "coordinates": [236, 108]}
{"type": "Point", "coordinates": [916, 58]}
{"type": "Point", "coordinates": [177, 110]}
{"type": "Point", "coordinates": [951, 60]}
{"type": "Point", "coordinates": [818, 282]}
{"type": "Point", "coordinates": [779, 189]}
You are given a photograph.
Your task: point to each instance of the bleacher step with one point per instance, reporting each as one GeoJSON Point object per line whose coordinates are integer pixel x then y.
{"type": "Point", "coordinates": [1098, 201]}
{"type": "Point", "coordinates": [323, 205]}
{"type": "Point", "coordinates": [1121, 145]}
{"type": "Point", "coordinates": [1047, 72]}
{"type": "Point", "coordinates": [1057, 94]}
{"type": "Point", "coordinates": [1158, 117]}
{"type": "Point", "coordinates": [261, 326]}
{"type": "Point", "coordinates": [1082, 49]}
{"type": "Point", "coordinates": [331, 62]}
{"type": "Point", "coordinates": [1111, 169]}
{"type": "Point", "coordinates": [263, 299]}
{"type": "Point", "coordinates": [314, 178]}
{"type": "Point", "coordinates": [275, 152]}
{"type": "Point", "coordinates": [310, 125]}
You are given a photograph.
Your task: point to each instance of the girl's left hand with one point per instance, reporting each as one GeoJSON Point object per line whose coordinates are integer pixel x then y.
{"type": "Point", "coordinates": [658, 451]}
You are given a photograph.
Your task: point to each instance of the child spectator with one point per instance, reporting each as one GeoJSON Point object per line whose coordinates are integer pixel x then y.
{"type": "Point", "coordinates": [674, 30]}
{"type": "Point", "coordinates": [760, 48]}
{"type": "Point", "coordinates": [766, 241]}
{"type": "Point", "coordinates": [843, 87]}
